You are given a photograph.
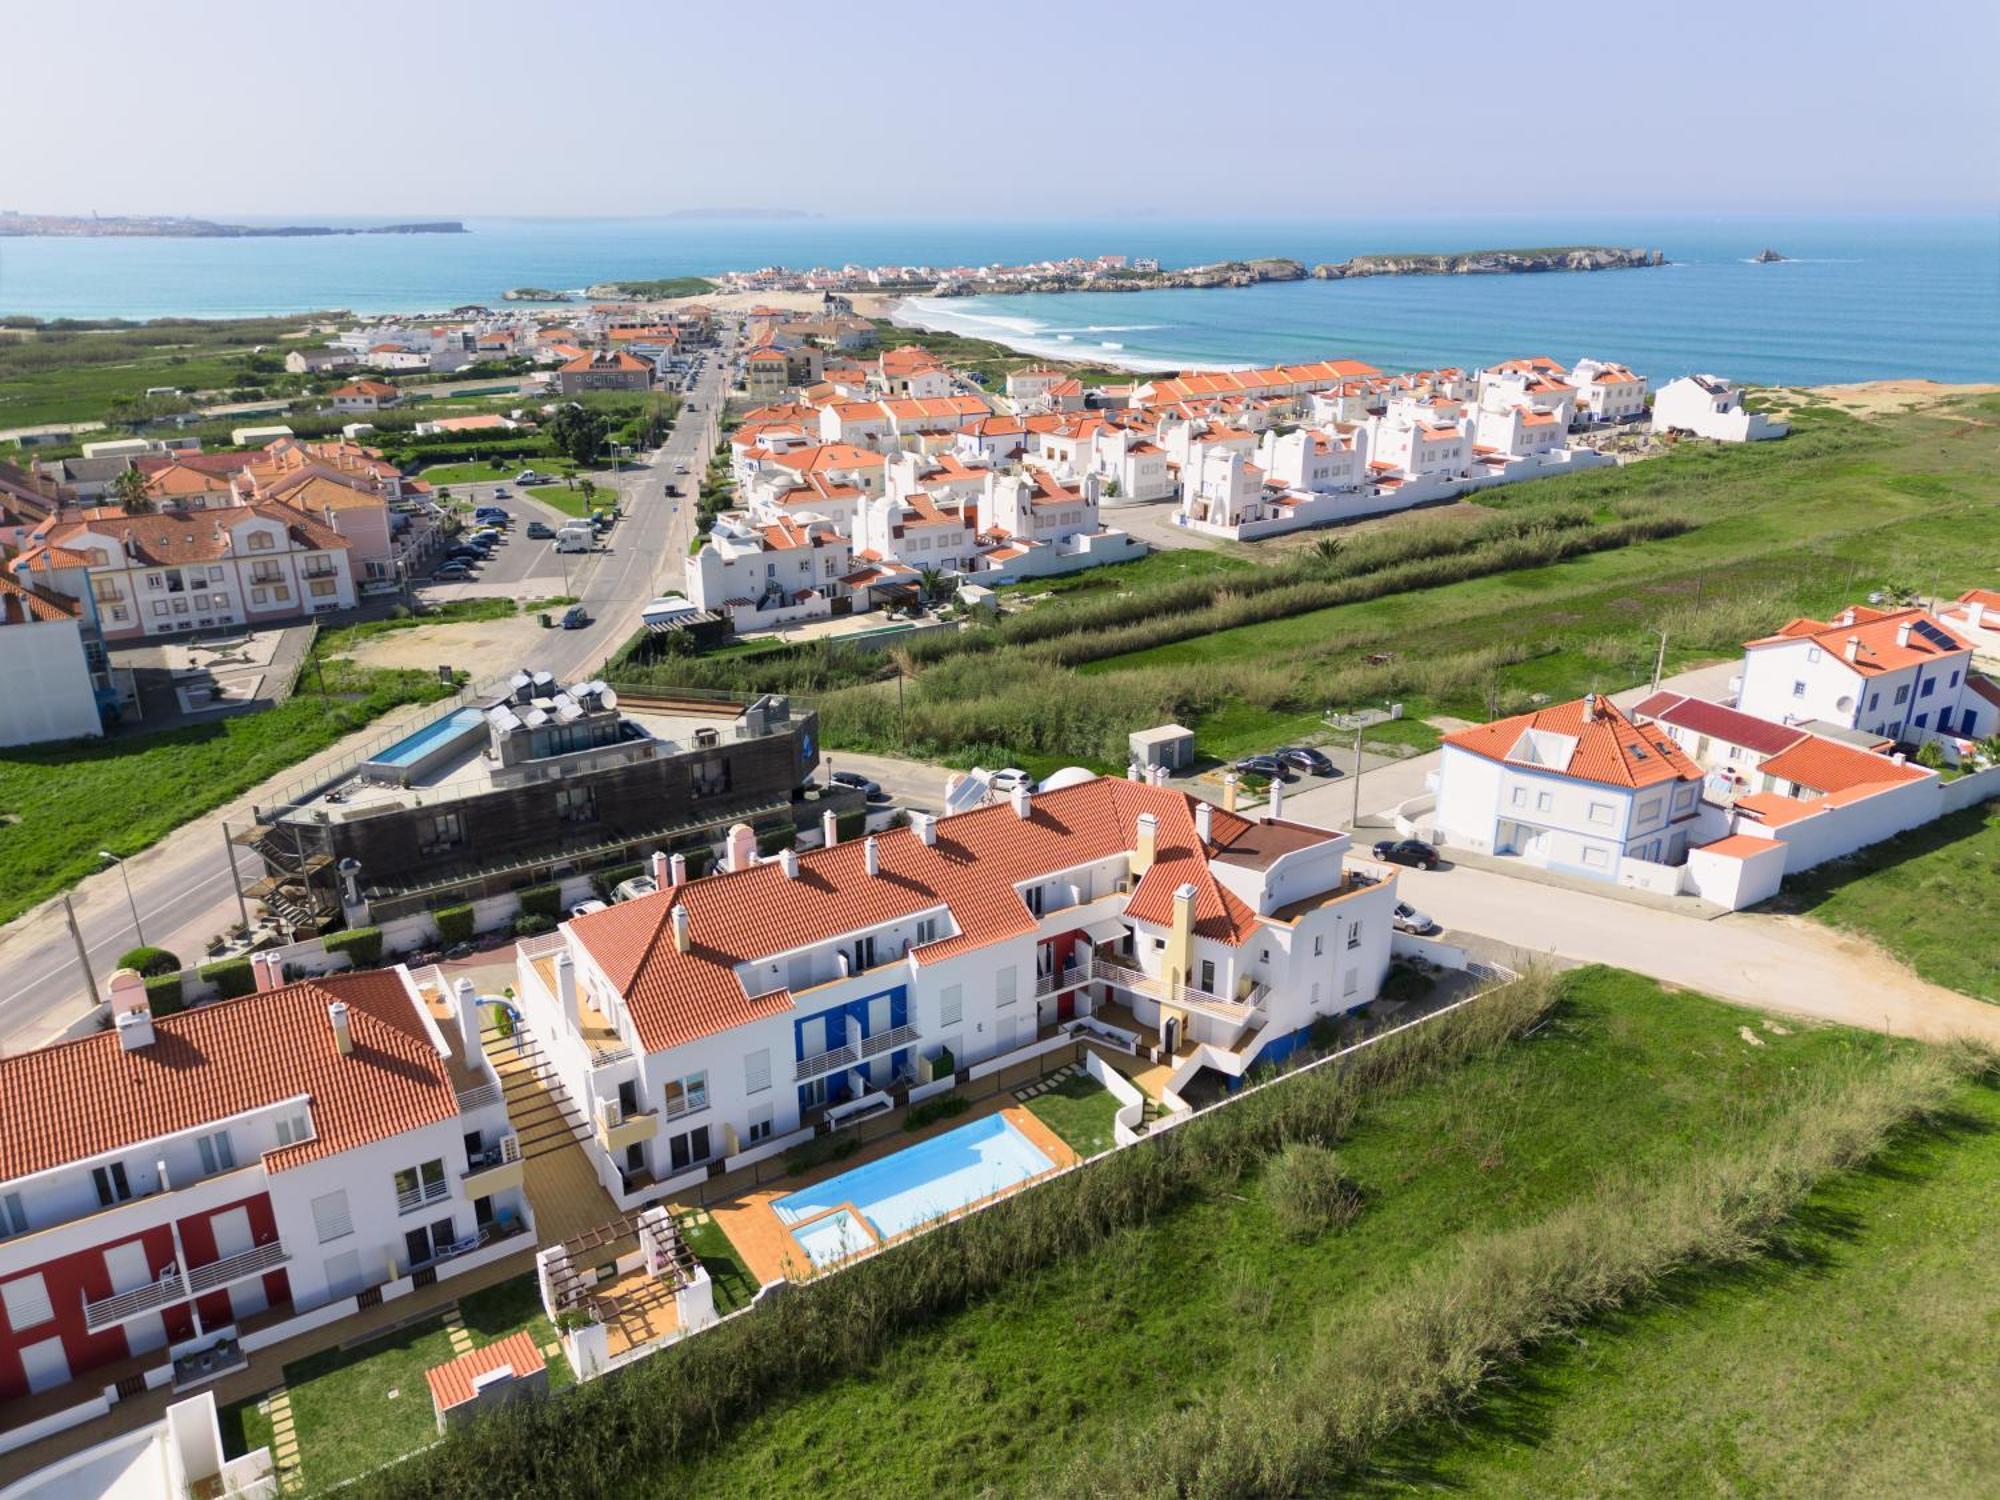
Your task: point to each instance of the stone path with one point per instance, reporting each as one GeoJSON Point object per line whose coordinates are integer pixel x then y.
{"type": "Point", "coordinates": [284, 1441]}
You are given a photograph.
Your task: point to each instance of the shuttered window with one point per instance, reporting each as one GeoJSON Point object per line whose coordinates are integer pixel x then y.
{"type": "Point", "coordinates": [951, 1005]}
{"type": "Point", "coordinates": [757, 1071]}
{"type": "Point", "coordinates": [331, 1217]}
{"type": "Point", "coordinates": [27, 1302]}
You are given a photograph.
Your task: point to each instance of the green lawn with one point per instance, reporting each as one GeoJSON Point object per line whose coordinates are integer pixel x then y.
{"type": "Point", "coordinates": [1628, 1077]}
{"type": "Point", "coordinates": [734, 1285]}
{"type": "Point", "coordinates": [60, 804]}
{"type": "Point", "coordinates": [1915, 895]}
{"type": "Point", "coordinates": [357, 1409]}
{"type": "Point", "coordinates": [494, 471]}
{"type": "Point", "coordinates": [1080, 1110]}
{"type": "Point", "coordinates": [343, 640]}
{"type": "Point", "coordinates": [1153, 568]}
{"type": "Point", "coordinates": [571, 501]}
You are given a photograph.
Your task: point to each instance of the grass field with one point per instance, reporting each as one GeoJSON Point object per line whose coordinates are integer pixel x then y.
{"type": "Point", "coordinates": [570, 501]}
{"type": "Point", "coordinates": [60, 804]}
{"type": "Point", "coordinates": [1930, 896]}
{"type": "Point", "coordinates": [1628, 1077]}
{"type": "Point", "coordinates": [1080, 1110]}
{"type": "Point", "coordinates": [495, 471]}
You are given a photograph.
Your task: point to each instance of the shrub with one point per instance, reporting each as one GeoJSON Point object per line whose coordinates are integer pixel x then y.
{"type": "Point", "coordinates": [944, 1107]}
{"type": "Point", "coordinates": [851, 825]}
{"type": "Point", "coordinates": [362, 944]}
{"type": "Point", "coordinates": [1406, 983]}
{"type": "Point", "coordinates": [163, 993]}
{"type": "Point", "coordinates": [454, 924]}
{"type": "Point", "coordinates": [1307, 1193]}
{"type": "Point", "coordinates": [230, 976]}
{"type": "Point", "coordinates": [149, 961]}
{"type": "Point", "coordinates": [772, 840]}
{"type": "Point", "coordinates": [542, 901]}
{"type": "Point", "coordinates": [699, 858]}
{"type": "Point", "coordinates": [820, 1150]}
{"type": "Point", "coordinates": [604, 882]}
{"type": "Point", "coordinates": [533, 924]}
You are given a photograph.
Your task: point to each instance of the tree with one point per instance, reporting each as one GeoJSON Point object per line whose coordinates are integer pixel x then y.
{"type": "Point", "coordinates": [1326, 551]}
{"type": "Point", "coordinates": [578, 433]}
{"type": "Point", "coordinates": [1930, 755]}
{"type": "Point", "coordinates": [129, 489]}
{"type": "Point", "coordinates": [930, 581]}
{"type": "Point", "coordinates": [588, 486]}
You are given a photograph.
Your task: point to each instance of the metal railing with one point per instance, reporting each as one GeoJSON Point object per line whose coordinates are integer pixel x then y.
{"type": "Point", "coordinates": [1072, 975]}
{"type": "Point", "coordinates": [889, 1041]}
{"type": "Point", "coordinates": [824, 1062]}
{"type": "Point", "coordinates": [417, 1197]}
{"type": "Point", "coordinates": [251, 1262]}
{"type": "Point", "coordinates": [1187, 995]}
{"type": "Point", "coordinates": [119, 1306]}
{"type": "Point", "coordinates": [472, 1100]}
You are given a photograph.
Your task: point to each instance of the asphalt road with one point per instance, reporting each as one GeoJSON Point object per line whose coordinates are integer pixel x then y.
{"type": "Point", "coordinates": [181, 886]}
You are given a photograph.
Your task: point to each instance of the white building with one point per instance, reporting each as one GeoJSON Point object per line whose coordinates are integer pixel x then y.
{"type": "Point", "coordinates": [759, 574]}
{"type": "Point", "coordinates": [1709, 406]}
{"type": "Point", "coordinates": [1607, 392]}
{"type": "Point", "coordinates": [1900, 674]}
{"type": "Point", "coordinates": [719, 1019]}
{"type": "Point", "coordinates": [46, 686]}
{"type": "Point", "coordinates": [1576, 787]}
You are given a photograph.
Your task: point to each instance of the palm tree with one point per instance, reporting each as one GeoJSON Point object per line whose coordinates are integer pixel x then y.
{"type": "Point", "coordinates": [129, 489]}
{"type": "Point", "coordinates": [1326, 551]}
{"type": "Point", "coordinates": [930, 580]}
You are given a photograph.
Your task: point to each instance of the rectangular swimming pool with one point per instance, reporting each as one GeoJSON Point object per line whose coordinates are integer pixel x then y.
{"type": "Point", "coordinates": [410, 753]}
{"type": "Point", "coordinates": [904, 1189]}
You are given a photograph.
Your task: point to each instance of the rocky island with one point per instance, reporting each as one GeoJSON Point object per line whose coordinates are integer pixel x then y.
{"type": "Point", "coordinates": [1767, 258]}
{"type": "Point", "coordinates": [1491, 262]}
{"type": "Point", "coordinates": [536, 294]}
{"type": "Point", "coordinates": [144, 226]}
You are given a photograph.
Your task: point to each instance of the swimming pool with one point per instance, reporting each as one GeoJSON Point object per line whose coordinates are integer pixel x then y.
{"type": "Point", "coordinates": [412, 751]}
{"type": "Point", "coordinates": [902, 1190]}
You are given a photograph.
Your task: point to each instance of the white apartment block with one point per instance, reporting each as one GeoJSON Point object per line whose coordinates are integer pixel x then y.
{"type": "Point", "coordinates": [1709, 406]}
{"type": "Point", "coordinates": [1900, 674]}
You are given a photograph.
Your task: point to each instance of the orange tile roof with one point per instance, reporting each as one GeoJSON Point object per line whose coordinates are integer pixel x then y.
{"type": "Point", "coordinates": [1773, 810]}
{"type": "Point", "coordinates": [167, 539]}
{"type": "Point", "coordinates": [19, 604]}
{"type": "Point", "coordinates": [830, 456]}
{"type": "Point", "coordinates": [1876, 631]}
{"type": "Point", "coordinates": [1988, 597]}
{"type": "Point", "coordinates": [1741, 846]}
{"type": "Point", "coordinates": [1610, 748]}
{"type": "Point", "coordinates": [451, 1382]}
{"type": "Point", "coordinates": [72, 1100]}
{"type": "Point", "coordinates": [376, 388]}
{"type": "Point", "coordinates": [1829, 766]}
{"type": "Point", "coordinates": [979, 858]}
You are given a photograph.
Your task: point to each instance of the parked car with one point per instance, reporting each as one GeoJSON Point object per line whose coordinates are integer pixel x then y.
{"type": "Point", "coordinates": [491, 515]}
{"type": "Point", "coordinates": [1304, 758]}
{"type": "Point", "coordinates": [1007, 779]}
{"type": "Point", "coordinates": [633, 889]}
{"type": "Point", "coordinates": [500, 492]}
{"type": "Point", "coordinates": [527, 476]}
{"type": "Point", "coordinates": [541, 531]}
{"type": "Point", "coordinates": [1408, 919]}
{"type": "Point", "coordinates": [1407, 852]}
{"type": "Point", "coordinates": [465, 552]}
{"type": "Point", "coordinates": [456, 567]}
{"type": "Point", "coordinates": [674, 490]}
{"type": "Point", "coordinates": [854, 781]}
{"type": "Point", "coordinates": [1267, 766]}
{"type": "Point", "coordinates": [487, 536]}
{"type": "Point", "coordinates": [575, 617]}
{"type": "Point", "coordinates": [585, 908]}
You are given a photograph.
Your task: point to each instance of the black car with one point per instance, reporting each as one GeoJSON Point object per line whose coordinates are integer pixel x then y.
{"type": "Point", "coordinates": [1267, 766]}
{"type": "Point", "coordinates": [1303, 758]}
{"type": "Point", "coordinates": [539, 530]}
{"type": "Point", "coordinates": [1407, 852]}
{"type": "Point", "coordinates": [465, 552]}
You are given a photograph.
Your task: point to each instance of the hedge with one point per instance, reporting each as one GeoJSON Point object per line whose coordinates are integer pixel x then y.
{"type": "Point", "coordinates": [542, 901]}
{"type": "Point", "coordinates": [362, 944]}
{"type": "Point", "coordinates": [163, 994]}
{"type": "Point", "coordinates": [849, 826]}
{"type": "Point", "coordinates": [230, 976]}
{"type": "Point", "coordinates": [454, 924]}
{"type": "Point", "coordinates": [149, 960]}
{"type": "Point", "coordinates": [533, 924]}
{"type": "Point", "coordinates": [772, 840]}
{"type": "Point", "coordinates": [606, 881]}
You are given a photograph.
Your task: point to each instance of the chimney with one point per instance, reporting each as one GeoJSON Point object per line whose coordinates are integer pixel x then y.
{"type": "Point", "coordinates": [1180, 939]}
{"type": "Point", "coordinates": [1590, 708]}
{"type": "Point", "coordinates": [662, 875]}
{"type": "Point", "coordinates": [871, 856]}
{"type": "Point", "coordinates": [131, 1011]}
{"type": "Point", "coordinates": [343, 1028]}
{"type": "Point", "coordinates": [926, 827]}
{"type": "Point", "coordinates": [565, 967]}
{"type": "Point", "coordinates": [1132, 770]}
{"type": "Point", "coordinates": [741, 847]}
{"type": "Point", "coordinates": [1853, 647]}
{"type": "Point", "coordinates": [829, 829]}
{"type": "Point", "coordinates": [677, 869]}
{"type": "Point", "coordinates": [1277, 797]}
{"type": "Point", "coordinates": [1146, 845]}
{"type": "Point", "coordinates": [1230, 781]}
{"type": "Point", "coordinates": [468, 1019]}
{"type": "Point", "coordinates": [683, 928]}
{"type": "Point", "coordinates": [788, 861]}
{"type": "Point", "coordinates": [1903, 633]}
{"type": "Point", "coordinates": [1019, 797]}
{"type": "Point", "coordinates": [1204, 821]}
{"type": "Point", "coordinates": [1975, 614]}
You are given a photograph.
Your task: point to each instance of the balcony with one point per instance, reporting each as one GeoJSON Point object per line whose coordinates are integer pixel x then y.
{"type": "Point", "coordinates": [119, 1306]}
{"type": "Point", "coordinates": [825, 1062]}
{"type": "Point", "coordinates": [238, 1267]}
{"type": "Point", "coordinates": [471, 1101]}
{"type": "Point", "coordinates": [617, 1130]}
{"type": "Point", "coordinates": [494, 1169]}
{"type": "Point", "coordinates": [895, 1038]}
{"type": "Point", "coordinates": [1072, 975]}
{"type": "Point", "coordinates": [1184, 995]}
{"type": "Point", "coordinates": [408, 1199]}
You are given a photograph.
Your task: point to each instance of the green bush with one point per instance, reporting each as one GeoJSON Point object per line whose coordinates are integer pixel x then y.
{"type": "Point", "coordinates": [230, 976]}
{"type": "Point", "coordinates": [820, 1150]}
{"type": "Point", "coordinates": [851, 825]}
{"type": "Point", "coordinates": [1307, 1193]}
{"type": "Point", "coordinates": [163, 993]}
{"type": "Point", "coordinates": [542, 901]}
{"type": "Point", "coordinates": [362, 944]}
{"type": "Point", "coordinates": [454, 924]}
{"type": "Point", "coordinates": [149, 961]}
{"type": "Point", "coordinates": [773, 839]}
{"type": "Point", "coordinates": [604, 882]}
{"type": "Point", "coordinates": [944, 1107]}
{"type": "Point", "coordinates": [533, 924]}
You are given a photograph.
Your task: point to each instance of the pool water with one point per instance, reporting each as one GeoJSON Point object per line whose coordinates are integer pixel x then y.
{"type": "Point", "coordinates": [909, 1187]}
{"type": "Point", "coordinates": [407, 752]}
{"type": "Point", "coordinates": [832, 1238]}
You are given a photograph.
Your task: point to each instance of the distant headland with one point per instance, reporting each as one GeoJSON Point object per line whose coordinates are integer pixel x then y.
{"type": "Point", "coordinates": [150, 226]}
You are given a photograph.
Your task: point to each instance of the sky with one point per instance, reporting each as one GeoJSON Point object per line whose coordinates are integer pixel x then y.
{"type": "Point", "coordinates": [1025, 110]}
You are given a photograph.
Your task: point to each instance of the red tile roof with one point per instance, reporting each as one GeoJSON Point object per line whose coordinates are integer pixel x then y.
{"type": "Point", "coordinates": [1719, 723]}
{"type": "Point", "coordinates": [22, 605]}
{"type": "Point", "coordinates": [1875, 630]}
{"type": "Point", "coordinates": [78, 1099]}
{"type": "Point", "coordinates": [1610, 748]}
{"type": "Point", "coordinates": [1741, 846]}
{"type": "Point", "coordinates": [979, 858]}
{"type": "Point", "coordinates": [1829, 766]}
{"type": "Point", "coordinates": [451, 1382]}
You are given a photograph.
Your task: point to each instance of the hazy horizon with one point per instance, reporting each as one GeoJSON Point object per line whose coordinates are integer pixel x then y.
{"type": "Point", "coordinates": [618, 110]}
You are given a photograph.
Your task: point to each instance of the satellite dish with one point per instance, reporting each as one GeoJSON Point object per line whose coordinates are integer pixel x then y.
{"type": "Point", "coordinates": [608, 698]}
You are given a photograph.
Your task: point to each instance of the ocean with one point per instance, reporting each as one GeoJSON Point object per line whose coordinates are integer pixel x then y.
{"type": "Point", "coordinates": [1862, 298]}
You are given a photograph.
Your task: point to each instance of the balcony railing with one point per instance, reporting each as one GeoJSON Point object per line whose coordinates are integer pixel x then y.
{"type": "Point", "coordinates": [889, 1041]}
{"type": "Point", "coordinates": [686, 1104]}
{"type": "Point", "coordinates": [244, 1263]}
{"type": "Point", "coordinates": [1072, 974]}
{"type": "Point", "coordinates": [119, 1306]}
{"type": "Point", "coordinates": [824, 1062]}
{"type": "Point", "coordinates": [471, 1101]}
{"type": "Point", "coordinates": [417, 1197]}
{"type": "Point", "coordinates": [1185, 995]}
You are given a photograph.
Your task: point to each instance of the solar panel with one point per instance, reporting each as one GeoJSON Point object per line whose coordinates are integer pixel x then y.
{"type": "Point", "coordinates": [1934, 635]}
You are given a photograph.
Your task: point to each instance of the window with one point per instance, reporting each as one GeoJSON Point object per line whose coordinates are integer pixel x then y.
{"type": "Point", "coordinates": [217, 1155]}
{"type": "Point", "coordinates": [1352, 983]}
{"type": "Point", "coordinates": [1544, 801]}
{"type": "Point", "coordinates": [322, 588]}
{"type": "Point", "coordinates": [687, 1150]}
{"type": "Point", "coordinates": [1003, 986]}
{"type": "Point", "coordinates": [1930, 686]}
{"type": "Point", "coordinates": [1903, 693]}
{"type": "Point", "coordinates": [927, 930]}
{"type": "Point", "coordinates": [757, 1071]}
{"type": "Point", "coordinates": [1595, 858]}
{"type": "Point", "coordinates": [683, 1096]}
{"type": "Point", "coordinates": [331, 1216]}
{"type": "Point", "coordinates": [1602, 812]}
{"type": "Point", "coordinates": [1033, 898]}
{"type": "Point", "coordinates": [262, 541]}
{"type": "Point", "coordinates": [576, 804]}
{"type": "Point", "coordinates": [292, 1129]}
{"type": "Point", "coordinates": [760, 1124]}
{"type": "Point", "coordinates": [1354, 936]}
{"type": "Point", "coordinates": [1798, 690]}
{"type": "Point", "coordinates": [112, 1186]}
{"type": "Point", "coordinates": [416, 1186]}
{"type": "Point", "coordinates": [951, 1005]}
{"type": "Point", "coordinates": [862, 954]}
{"type": "Point", "coordinates": [1319, 944]}
{"type": "Point", "coordinates": [710, 777]}
{"type": "Point", "coordinates": [13, 1217]}
{"type": "Point", "coordinates": [1874, 701]}
{"type": "Point", "coordinates": [1520, 796]}
{"type": "Point", "coordinates": [159, 606]}
{"type": "Point", "coordinates": [444, 831]}
{"type": "Point", "coordinates": [26, 1299]}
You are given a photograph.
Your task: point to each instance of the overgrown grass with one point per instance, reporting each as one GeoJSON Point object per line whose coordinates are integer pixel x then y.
{"type": "Point", "coordinates": [60, 804]}
{"type": "Point", "coordinates": [1914, 894]}
{"type": "Point", "coordinates": [453, 612]}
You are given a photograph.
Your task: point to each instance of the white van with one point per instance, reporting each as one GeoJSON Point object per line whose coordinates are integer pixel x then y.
{"type": "Point", "coordinates": [575, 539]}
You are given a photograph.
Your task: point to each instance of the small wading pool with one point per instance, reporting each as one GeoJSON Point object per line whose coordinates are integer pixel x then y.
{"type": "Point", "coordinates": [908, 1187]}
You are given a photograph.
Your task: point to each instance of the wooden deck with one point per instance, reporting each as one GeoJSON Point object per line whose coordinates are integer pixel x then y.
{"type": "Point", "coordinates": [562, 1188]}
{"type": "Point", "coordinates": [598, 1033]}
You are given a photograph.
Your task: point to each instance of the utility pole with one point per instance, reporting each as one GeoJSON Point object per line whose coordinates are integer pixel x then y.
{"type": "Point", "coordinates": [1356, 818]}
{"type": "Point", "coordinates": [82, 953]}
{"type": "Point", "coordinates": [130, 900]}
{"type": "Point", "coordinates": [236, 879]}
{"type": "Point", "coordinates": [1660, 661]}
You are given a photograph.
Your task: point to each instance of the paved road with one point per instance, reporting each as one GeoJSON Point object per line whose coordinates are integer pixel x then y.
{"type": "Point", "coordinates": [182, 884]}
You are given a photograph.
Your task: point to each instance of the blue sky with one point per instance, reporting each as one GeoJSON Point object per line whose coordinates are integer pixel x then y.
{"type": "Point", "coordinates": [1024, 110]}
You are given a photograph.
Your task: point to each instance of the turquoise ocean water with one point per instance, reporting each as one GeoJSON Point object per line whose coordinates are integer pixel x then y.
{"type": "Point", "coordinates": [1865, 298]}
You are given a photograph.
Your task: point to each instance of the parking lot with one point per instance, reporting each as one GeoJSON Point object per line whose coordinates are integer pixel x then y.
{"type": "Point", "coordinates": [518, 565]}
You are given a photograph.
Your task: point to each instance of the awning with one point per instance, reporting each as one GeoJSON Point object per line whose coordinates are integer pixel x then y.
{"type": "Point", "coordinates": [1110, 930]}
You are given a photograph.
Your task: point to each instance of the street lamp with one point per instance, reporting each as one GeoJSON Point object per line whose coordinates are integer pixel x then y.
{"type": "Point", "coordinates": [130, 899]}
